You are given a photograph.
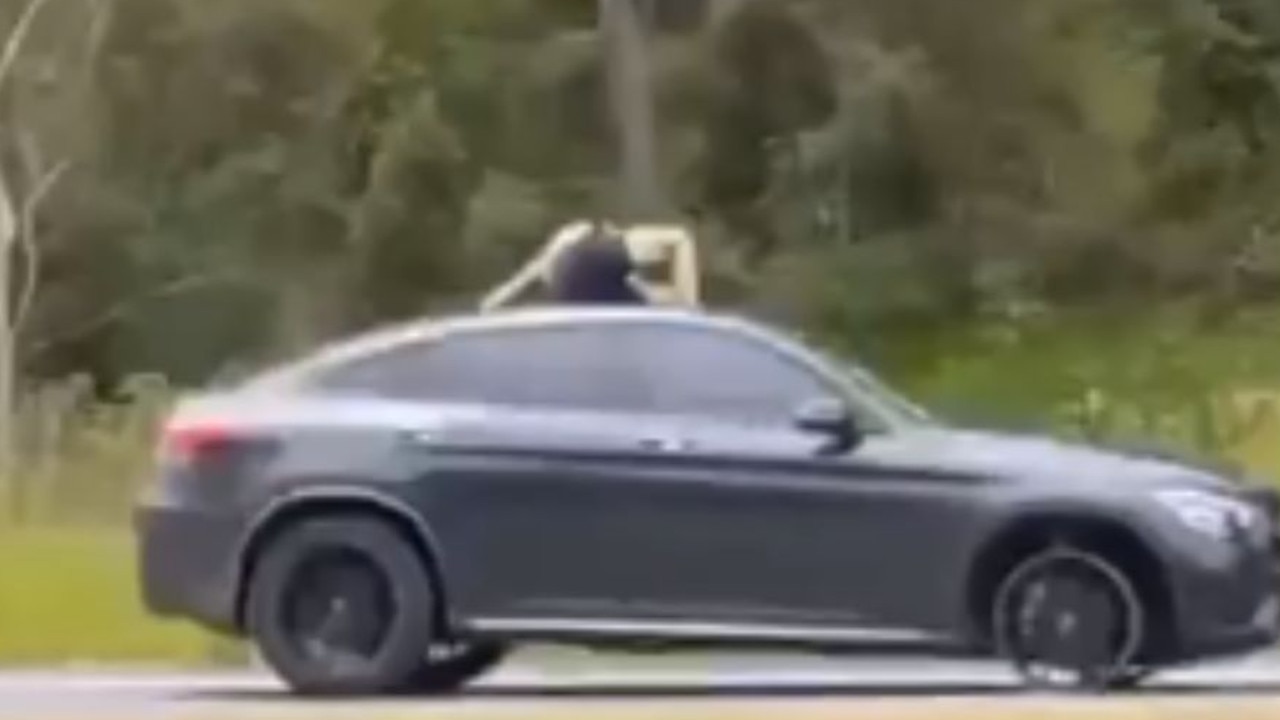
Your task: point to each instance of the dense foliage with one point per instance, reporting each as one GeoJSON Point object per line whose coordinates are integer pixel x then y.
{"type": "Point", "coordinates": [903, 176]}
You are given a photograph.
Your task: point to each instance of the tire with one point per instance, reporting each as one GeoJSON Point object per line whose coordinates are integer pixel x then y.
{"type": "Point", "coordinates": [342, 606]}
{"type": "Point", "coordinates": [1069, 620]}
{"type": "Point", "coordinates": [448, 674]}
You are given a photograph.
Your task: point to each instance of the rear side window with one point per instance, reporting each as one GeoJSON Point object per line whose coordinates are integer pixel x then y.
{"type": "Point", "coordinates": [714, 373]}
{"type": "Point", "coordinates": [531, 367]}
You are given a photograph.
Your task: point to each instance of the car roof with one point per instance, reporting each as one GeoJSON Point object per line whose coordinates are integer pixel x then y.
{"type": "Point", "coordinates": [423, 329]}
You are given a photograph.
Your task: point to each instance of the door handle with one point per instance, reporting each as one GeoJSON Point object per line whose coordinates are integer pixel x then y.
{"type": "Point", "coordinates": [418, 438]}
{"type": "Point", "coordinates": [665, 444]}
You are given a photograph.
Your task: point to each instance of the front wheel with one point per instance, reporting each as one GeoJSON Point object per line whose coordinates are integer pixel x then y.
{"type": "Point", "coordinates": [1068, 619]}
{"type": "Point", "coordinates": [1131, 678]}
{"type": "Point", "coordinates": [447, 668]}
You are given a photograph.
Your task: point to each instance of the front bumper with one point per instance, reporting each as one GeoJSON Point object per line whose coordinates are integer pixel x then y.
{"type": "Point", "coordinates": [1227, 595]}
{"type": "Point", "coordinates": [187, 565]}
{"type": "Point", "coordinates": [1269, 500]}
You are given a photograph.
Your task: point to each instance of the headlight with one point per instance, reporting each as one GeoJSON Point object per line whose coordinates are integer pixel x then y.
{"type": "Point", "coordinates": [1210, 513]}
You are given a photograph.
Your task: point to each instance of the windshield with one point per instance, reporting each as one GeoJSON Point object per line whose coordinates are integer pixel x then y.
{"type": "Point", "coordinates": [869, 394]}
{"type": "Point", "coordinates": [900, 411]}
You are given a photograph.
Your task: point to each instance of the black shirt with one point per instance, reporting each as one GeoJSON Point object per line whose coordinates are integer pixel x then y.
{"type": "Point", "coordinates": [595, 270]}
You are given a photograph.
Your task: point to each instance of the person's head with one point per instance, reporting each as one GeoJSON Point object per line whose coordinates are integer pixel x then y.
{"type": "Point", "coordinates": [571, 234]}
{"type": "Point", "coordinates": [593, 266]}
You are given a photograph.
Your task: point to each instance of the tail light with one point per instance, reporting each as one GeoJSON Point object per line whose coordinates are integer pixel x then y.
{"type": "Point", "coordinates": [206, 459]}
{"type": "Point", "coordinates": [190, 443]}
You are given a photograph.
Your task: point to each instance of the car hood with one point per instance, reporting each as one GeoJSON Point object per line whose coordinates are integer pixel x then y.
{"type": "Point", "coordinates": [1034, 458]}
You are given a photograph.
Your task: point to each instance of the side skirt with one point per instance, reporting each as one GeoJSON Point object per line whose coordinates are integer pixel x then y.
{"type": "Point", "coordinates": [661, 634]}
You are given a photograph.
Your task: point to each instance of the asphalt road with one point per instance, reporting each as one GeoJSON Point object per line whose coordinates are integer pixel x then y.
{"type": "Point", "coordinates": [588, 683]}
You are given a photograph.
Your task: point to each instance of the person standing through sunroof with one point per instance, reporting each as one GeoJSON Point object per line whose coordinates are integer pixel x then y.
{"type": "Point", "coordinates": [595, 262]}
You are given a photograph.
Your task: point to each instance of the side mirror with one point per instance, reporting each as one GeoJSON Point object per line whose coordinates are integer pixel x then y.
{"type": "Point", "coordinates": [829, 417]}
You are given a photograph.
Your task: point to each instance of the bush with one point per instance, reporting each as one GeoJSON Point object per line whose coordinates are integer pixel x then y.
{"type": "Point", "coordinates": [1166, 384]}
{"type": "Point", "coordinates": [64, 533]}
{"type": "Point", "coordinates": [81, 460]}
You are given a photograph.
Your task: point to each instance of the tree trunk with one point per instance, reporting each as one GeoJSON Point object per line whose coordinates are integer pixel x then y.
{"type": "Point", "coordinates": [9, 232]}
{"type": "Point", "coordinates": [625, 36]}
{"type": "Point", "coordinates": [8, 236]}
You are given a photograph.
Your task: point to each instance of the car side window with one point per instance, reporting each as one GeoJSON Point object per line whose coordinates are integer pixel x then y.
{"type": "Point", "coordinates": [525, 367]}
{"type": "Point", "coordinates": [709, 372]}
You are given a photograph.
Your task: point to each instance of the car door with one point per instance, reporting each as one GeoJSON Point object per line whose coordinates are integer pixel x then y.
{"type": "Point", "coordinates": [745, 521]}
{"type": "Point", "coordinates": [612, 474]}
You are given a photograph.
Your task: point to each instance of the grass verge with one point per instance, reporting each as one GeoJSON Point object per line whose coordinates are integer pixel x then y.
{"type": "Point", "coordinates": [69, 595]}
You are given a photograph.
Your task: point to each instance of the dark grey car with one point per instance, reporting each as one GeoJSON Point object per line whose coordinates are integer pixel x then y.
{"type": "Point", "coordinates": [393, 513]}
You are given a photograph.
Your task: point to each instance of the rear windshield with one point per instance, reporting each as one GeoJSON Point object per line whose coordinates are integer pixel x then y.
{"type": "Point", "coordinates": [304, 370]}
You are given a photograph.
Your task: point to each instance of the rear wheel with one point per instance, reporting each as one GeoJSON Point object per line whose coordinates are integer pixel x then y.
{"type": "Point", "coordinates": [1069, 620]}
{"type": "Point", "coordinates": [342, 606]}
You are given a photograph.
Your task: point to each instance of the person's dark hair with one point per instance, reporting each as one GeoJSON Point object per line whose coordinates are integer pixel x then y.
{"type": "Point", "coordinates": [596, 269]}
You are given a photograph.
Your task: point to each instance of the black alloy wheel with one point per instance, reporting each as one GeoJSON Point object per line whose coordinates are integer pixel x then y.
{"type": "Point", "coordinates": [448, 667]}
{"type": "Point", "coordinates": [342, 606]}
{"type": "Point", "coordinates": [1069, 620]}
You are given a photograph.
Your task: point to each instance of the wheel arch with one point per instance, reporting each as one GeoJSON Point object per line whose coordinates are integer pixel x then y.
{"type": "Point", "coordinates": [293, 507]}
{"type": "Point", "coordinates": [1118, 542]}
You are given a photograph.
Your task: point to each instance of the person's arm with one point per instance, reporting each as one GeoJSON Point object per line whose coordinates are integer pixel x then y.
{"type": "Point", "coordinates": [644, 290]}
{"type": "Point", "coordinates": [685, 272]}
{"type": "Point", "coordinates": [519, 283]}
{"type": "Point", "coordinates": [674, 247]}
{"type": "Point", "coordinates": [536, 269]}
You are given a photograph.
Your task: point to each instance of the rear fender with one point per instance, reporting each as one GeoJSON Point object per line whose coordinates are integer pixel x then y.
{"type": "Point", "coordinates": [309, 502]}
